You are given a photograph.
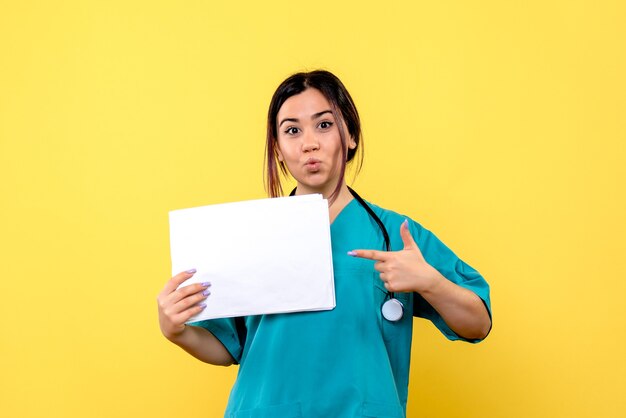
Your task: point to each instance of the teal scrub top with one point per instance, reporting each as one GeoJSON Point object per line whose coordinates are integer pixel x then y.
{"type": "Point", "coordinates": [349, 361]}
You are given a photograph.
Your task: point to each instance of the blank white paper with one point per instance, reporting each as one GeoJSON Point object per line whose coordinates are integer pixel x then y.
{"type": "Point", "coordinates": [261, 256]}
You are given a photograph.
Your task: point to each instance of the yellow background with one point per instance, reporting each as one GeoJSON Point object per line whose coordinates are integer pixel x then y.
{"type": "Point", "coordinates": [498, 125]}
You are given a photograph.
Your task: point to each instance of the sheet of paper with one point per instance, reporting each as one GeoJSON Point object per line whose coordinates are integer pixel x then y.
{"type": "Point", "coordinates": [261, 256]}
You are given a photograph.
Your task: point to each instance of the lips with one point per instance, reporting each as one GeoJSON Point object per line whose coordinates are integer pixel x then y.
{"type": "Point", "coordinates": [312, 164]}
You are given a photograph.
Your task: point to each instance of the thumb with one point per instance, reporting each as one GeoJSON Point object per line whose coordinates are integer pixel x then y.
{"type": "Point", "coordinates": [407, 239]}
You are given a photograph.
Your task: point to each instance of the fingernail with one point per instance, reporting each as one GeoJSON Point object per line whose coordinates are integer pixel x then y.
{"type": "Point", "coordinates": [352, 253]}
{"type": "Point", "coordinates": [206, 284]}
{"type": "Point", "coordinates": [191, 271]}
{"type": "Point", "coordinates": [202, 305]}
{"type": "Point", "coordinates": [206, 293]}
{"type": "Point", "coordinates": [405, 223]}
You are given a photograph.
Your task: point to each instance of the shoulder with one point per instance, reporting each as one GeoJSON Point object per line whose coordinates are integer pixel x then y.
{"type": "Point", "coordinates": [392, 218]}
{"type": "Point", "coordinates": [392, 221]}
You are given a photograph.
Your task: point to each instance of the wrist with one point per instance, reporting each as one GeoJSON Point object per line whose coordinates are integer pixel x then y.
{"type": "Point", "coordinates": [431, 282]}
{"type": "Point", "coordinates": [176, 335]}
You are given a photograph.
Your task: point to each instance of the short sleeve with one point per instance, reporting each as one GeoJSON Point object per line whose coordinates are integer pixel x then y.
{"type": "Point", "coordinates": [438, 255]}
{"type": "Point", "coordinates": [230, 331]}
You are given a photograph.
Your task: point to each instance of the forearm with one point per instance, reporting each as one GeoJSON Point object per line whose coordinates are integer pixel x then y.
{"type": "Point", "coordinates": [203, 345]}
{"type": "Point", "coordinates": [463, 311]}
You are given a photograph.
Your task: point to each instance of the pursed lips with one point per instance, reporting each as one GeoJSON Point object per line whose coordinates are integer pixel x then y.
{"type": "Point", "coordinates": [312, 164]}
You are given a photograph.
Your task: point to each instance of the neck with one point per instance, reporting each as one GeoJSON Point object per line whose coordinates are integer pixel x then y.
{"type": "Point", "coordinates": [343, 198]}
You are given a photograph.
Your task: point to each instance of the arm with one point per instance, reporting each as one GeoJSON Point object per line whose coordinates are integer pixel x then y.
{"type": "Point", "coordinates": [407, 271]}
{"type": "Point", "coordinates": [460, 308]}
{"type": "Point", "coordinates": [176, 306]}
{"type": "Point", "coordinates": [203, 345]}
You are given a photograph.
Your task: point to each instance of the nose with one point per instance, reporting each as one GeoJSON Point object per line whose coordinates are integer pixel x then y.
{"type": "Point", "coordinates": [310, 143]}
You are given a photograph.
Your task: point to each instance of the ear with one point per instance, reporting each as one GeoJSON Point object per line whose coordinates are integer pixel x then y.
{"type": "Point", "coordinates": [351, 142]}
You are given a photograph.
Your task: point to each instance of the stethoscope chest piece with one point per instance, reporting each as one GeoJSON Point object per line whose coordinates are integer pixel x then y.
{"type": "Point", "coordinates": [392, 310]}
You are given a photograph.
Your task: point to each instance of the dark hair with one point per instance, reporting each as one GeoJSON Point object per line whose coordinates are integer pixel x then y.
{"type": "Point", "coordinates": [344, 111]}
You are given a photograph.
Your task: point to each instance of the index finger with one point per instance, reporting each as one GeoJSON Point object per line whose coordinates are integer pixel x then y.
{"type": "Point", "coordinates": [177, 280]}
{"type": "Point", "coordinates": [370, 254]}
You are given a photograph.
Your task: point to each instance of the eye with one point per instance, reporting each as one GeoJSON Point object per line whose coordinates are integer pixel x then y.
{"type": "Point", "coordinates": [292, 130]}
{"type": "Point", "coordinates": [325, 124]}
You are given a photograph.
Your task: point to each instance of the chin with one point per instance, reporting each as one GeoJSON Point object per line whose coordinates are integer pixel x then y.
{"type": "Point", "coordinates": [317, 187]}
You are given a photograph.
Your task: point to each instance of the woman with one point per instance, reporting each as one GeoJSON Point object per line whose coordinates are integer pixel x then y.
{"type": "Point", "coordinates": [352, 361]}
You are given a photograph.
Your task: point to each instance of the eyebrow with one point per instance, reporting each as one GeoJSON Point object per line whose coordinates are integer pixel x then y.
{"type": "Point", "coordinates": [315, 116]}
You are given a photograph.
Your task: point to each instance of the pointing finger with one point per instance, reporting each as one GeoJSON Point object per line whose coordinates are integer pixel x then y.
{"type": "Point", "coordinates": [370, 254]}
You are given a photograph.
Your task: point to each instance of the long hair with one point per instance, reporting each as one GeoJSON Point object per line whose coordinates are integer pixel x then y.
{"type": "Point", "coordinates": [343, 109]}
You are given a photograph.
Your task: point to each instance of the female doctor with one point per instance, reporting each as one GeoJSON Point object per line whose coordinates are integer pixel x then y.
{"type": "Point", "coordinates": [352, 361]}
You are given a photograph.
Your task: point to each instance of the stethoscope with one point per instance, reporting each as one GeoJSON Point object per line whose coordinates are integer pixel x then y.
{"type": "Point", "coordinates": [392, 309]}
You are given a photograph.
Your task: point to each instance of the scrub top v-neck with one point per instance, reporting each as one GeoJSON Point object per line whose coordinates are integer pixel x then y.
{"type": "Point", "coordinates": [345, 362]}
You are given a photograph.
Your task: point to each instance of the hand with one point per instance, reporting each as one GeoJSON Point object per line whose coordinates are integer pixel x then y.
{"type": "Point", "coordinates": [405, 270]}
{"type": "Point", "coordinates": [176, 306]}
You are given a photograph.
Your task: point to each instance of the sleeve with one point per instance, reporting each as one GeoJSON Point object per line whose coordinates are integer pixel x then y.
{"type": "Point", "coordinates": [230, 331]}
{"type": "Point", "coordinates": [438, 255]}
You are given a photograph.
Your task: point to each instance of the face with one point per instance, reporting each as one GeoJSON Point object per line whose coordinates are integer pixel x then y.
{"type": "Point", "coordinates": [309, 143]}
